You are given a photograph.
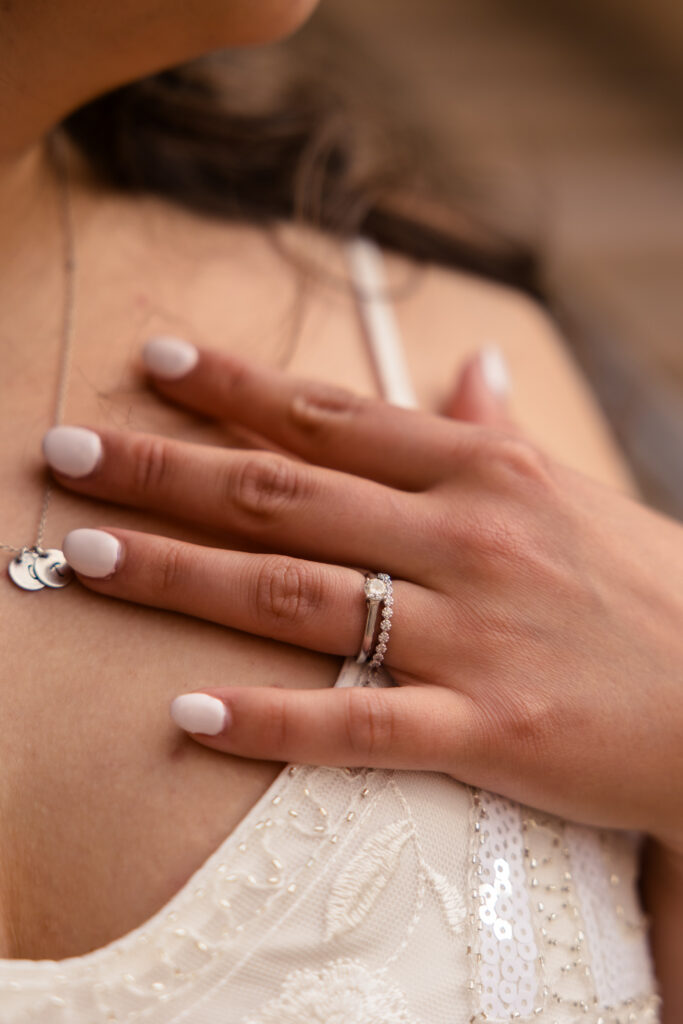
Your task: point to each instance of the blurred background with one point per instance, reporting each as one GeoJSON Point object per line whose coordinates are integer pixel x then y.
{"type": "Point", "coordinates": [569, 115]}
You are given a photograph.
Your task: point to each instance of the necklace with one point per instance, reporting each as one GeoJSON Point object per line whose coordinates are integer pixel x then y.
{"type": "Point", "coordinates": [37, 567]}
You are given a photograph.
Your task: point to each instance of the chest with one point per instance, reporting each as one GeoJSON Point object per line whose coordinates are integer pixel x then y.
{"type": "Point", "coordinates": [106, 810]}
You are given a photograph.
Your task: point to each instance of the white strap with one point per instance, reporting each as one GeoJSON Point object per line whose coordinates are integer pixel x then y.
{"type": "Point", "coordinates": [384, 342]}
{"type": "Point", "coordinates": [381, 329]}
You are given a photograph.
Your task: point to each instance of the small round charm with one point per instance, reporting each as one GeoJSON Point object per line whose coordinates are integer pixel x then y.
{"type": "Point", "coordinates": [52, 569]}
{"type": "Point", "coordinates": [22, 571]}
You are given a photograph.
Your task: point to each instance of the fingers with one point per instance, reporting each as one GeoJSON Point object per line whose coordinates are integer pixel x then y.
{"type": "Point", "coordinates": [322, 424]}
{"type": "Point", "coordinates": [481, 391]}
{"type": "Point", "coordinates": [321, 607]}
{"type": "Point", "coordinates": [273, 501]}
{"type": "Point", "coordinates": [423, 728]}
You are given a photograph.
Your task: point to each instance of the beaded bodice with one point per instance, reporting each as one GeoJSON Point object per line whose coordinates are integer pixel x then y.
{"type": "Point", "coordinates": [373, 897]}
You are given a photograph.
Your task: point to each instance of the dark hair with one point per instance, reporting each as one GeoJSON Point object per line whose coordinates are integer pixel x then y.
{"type": "Point", "coordinates": [289, 131]}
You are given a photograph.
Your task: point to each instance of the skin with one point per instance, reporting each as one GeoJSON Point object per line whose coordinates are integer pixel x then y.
{"type": "Point", "coordinates": [93, 770]}
{"type": "Point", "coordinates": [518, 570]}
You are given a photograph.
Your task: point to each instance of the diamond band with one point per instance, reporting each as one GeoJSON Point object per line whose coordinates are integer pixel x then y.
{"type": "Point", "coordinates": [385, 624]}
{"type": "Point", "coordinates": [378, 591]}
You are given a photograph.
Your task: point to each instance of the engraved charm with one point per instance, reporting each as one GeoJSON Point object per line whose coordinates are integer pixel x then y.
{"type": "Point", "coordinates": [52, 569]}
{"type": "Point", "coordinates": [38, 568]}
{"type": "Point", "coordinates": [22, 571]}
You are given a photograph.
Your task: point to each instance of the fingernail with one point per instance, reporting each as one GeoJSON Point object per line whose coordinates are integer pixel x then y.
{"type": "Point", "coordinates": [73, 451]}
{"type": "Point", "coordinates": [168, 357]}
{"type": "Point", "coordinates": [92, 552]}
{"type": "Point", "coordinates": [198, 712]}
{"type": "Point", "coordinates": [495, 370]}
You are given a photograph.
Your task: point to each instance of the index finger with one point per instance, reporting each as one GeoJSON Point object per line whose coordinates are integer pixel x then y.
{"type": "Point", "coordinates": [321, 423]}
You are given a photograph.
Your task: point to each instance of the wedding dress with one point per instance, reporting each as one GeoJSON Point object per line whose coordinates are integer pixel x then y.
{"type": "Point", "coordinates": [373, 897]}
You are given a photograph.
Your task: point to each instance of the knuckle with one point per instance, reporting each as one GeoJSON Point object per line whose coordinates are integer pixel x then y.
{"type": "Point", "coordinates": [319, 407]}
{"type": "Point", "coordinates": [236, 373]}
{"type": "Point", "coordinates": [276, 723]}
{"type": "Point", "coordinates": [482, 538]}
{"type": "Point", "coordinates": [266, 486]}
{"type": "Point", "coordinates": [232, 376]}
{"type": "Point", "coordinates": [288, 591]}
{"type": "Point", "coordinates": [520, 460]}
{"type": "Point", "coordinates": [496, 539]}
{"type": "Point", "coordinates": [170, 569]}
{"type": "Point", "coordinates": [494, 455]}
{"type": "Point", "coordinates": [151, 464]}
{"type": "Point", "coordinates": [370, 724]}
{"type": "Point", "coordinates": [503, 522]}
{"type": "Point", "coordinates": [533, 722]}
{"type": "Point", "coordinates": [528, 723]}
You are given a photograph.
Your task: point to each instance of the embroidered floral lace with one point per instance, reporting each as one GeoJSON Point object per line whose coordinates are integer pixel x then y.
{"type": "Point", "coordinates": [373, 897]}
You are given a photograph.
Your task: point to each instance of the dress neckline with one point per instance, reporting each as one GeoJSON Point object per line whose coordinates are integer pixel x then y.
{"type": "Point", "coordinates": [206, 931]}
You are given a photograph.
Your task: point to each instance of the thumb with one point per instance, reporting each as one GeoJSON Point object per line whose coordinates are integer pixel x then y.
{"type": "Point", "coordinates": [481, 391]}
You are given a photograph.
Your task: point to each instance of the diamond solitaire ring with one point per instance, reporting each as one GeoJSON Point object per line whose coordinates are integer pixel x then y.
{"type": "Point", "coordinates": [378, 591]}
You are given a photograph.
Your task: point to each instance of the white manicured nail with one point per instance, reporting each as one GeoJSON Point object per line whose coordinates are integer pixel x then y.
{"type": "Point", "coordinates": [169, 358]}
{"type": "Point", "coordinates": [92, 552]}
{"type": "Point", "coordinates": [73, 451]}
{"type": "Point", "coordinates": [495, 370]}
{"type": "Point", "coordinates": [198, 712]}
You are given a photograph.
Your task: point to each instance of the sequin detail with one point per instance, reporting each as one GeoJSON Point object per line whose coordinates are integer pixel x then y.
{"type": "Point", "coordinates": [508, 982]}
{"type": "Point", "coordinates": [581, 911]}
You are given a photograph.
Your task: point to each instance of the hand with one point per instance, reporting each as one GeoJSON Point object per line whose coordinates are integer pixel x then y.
{"type": "Point", "coordinates": [537, 638]}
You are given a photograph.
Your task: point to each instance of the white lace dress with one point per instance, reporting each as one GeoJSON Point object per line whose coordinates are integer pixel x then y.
{"type": "Point", "coordinates": [373, 897]}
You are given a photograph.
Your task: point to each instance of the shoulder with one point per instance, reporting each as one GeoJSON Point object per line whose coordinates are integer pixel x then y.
{"type": "Point", "coordinates": [447, 316]}
{"type": "Point", "coordinates": [463, 311]}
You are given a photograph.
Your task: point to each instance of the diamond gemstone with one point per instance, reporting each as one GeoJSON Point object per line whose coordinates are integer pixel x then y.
{"type": "Point", "coordinates": [375, 589]}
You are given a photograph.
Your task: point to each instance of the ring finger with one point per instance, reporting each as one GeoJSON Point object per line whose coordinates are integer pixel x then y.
{"type": "Point", "coordinates": [310, 604]}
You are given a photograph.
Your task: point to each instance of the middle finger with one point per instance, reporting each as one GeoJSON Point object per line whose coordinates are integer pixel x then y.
{"type": "Point", "coordinates": [269, 499]}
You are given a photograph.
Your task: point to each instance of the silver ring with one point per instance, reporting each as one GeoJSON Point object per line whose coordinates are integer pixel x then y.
{"type": "Point", "coordinates": [378, 591]}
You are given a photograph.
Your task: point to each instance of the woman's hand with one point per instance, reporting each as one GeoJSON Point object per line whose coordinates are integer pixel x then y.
{"type": "Point", "coordinates": [537, 635]}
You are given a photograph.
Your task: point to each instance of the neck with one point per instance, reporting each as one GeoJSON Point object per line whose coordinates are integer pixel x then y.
{"type": "Point", "coordinates": [32, 277]}
{"type": "Point", "coordinates": [32, 243]}
{"type": "Point", "coordinates": [29, 214]}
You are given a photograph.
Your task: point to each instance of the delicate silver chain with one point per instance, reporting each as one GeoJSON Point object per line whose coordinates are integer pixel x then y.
{"type": "Point", "coordinates": [58, 142]}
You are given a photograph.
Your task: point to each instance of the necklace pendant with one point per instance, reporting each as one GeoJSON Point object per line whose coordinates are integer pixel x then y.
{"type": "Point", "coordinates": [38, 568]}
{"type": "Point", "coordinates": [22, 571]}
{"type": "Point", "coordinates": [51, 568]}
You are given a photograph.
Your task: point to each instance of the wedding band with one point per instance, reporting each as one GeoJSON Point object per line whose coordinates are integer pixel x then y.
{"type": "Point", "coordinates": [378, 591]}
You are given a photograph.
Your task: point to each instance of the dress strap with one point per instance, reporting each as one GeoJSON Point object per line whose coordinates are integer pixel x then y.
{"type": "Point", "coordinates": [382, 333]}
{"type": "Point", "coordinates": [386, 351]}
